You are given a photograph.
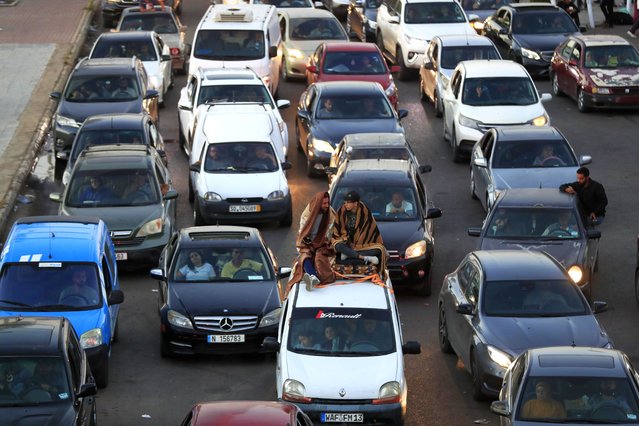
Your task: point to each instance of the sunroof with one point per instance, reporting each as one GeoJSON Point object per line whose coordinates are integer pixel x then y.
{"type": "Point", "coordinates": [587, 361]}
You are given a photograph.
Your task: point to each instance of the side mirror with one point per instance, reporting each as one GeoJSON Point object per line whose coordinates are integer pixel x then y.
{"type": "Point", "coordinates": [87, 389]}
{"type": "Point", "coordinates": [286, 165]}
{"type": "Point", "coordinates": [593, 233]}
{"type": "Point", "coordinates": [585, 159]}
{"type": "Point", "coordinates": [150, 94]}
{"type": "Point", "coordinates": [195, 167]}
{"type": "Point", "coordinates": [402, 113]}
{"type": "Point", "coordinates": [428, 65]}
{"type": "Point", "coordinates": [55, 95]}
{"type": "Point", "coordinates": [116, 297]}
{"type": "Point", "coordinates": [465, 309]}
{"type": "Point", "coordinates": [157, 274]}
{"type": "Point", "coordinates": [319, 5]}
{"type": "Point", "coordinates": [303, 114]}
{"type": "Point", "coordinates": [474, 232]}
{"type": "Point", "coordinates": [480, 162]}
{"type": "Point", "coordinates": [426, 168]}
{"type": "Point", "coordinates": [411, 348]}
{"type": "Point", "coordinates": [500, 407]}
{"type": "Point", "coordinates": [395, 69]}
{"type": "Point", "coordinates": [272, 51]}
{"type": "Point", "coordinates": [545, 97]}
{"type": "Point", "coordinates": [284, 272]}
{"type": "Point", "coordinates": [55, 196]}
{"type": "Point", "coordinates": [598, 306]}
{"type": "Point", "coordinates": [171, 194]}
{"type": "Point", "coordinates": [283, 103]}
{"type": "Point", "coordinates": [312, 68]}
{"type": "Point", "coordinates": [165, 58]}
{"type": "Point", "coordinates": [269, 345]}
{"type": "Point", "coordinates": [433, 213]}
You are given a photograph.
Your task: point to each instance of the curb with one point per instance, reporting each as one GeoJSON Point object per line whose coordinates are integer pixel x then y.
{"type": "Point", "coordinates": [39, 137]}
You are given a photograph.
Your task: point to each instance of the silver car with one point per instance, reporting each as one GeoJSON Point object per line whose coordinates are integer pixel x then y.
{"type": "Point", "coordinates": [497, 304]}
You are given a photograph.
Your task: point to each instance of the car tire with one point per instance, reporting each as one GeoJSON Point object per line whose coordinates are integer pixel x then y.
{"type": "Point", "coordinates": [457, 155]}
{"type": "Point", "coordinates": [191, 193]}
{"type": "Point", "coordinates": [287, 219]}
{"type": "Point", "coordinates": [478, 392]}
{"type": "Point", "coordinates": [473, 190]}
{"type": "Point", "coordinates": [165, 351]}
{"type": "Point", "coordinates": [444, 343]}
{"type": "Point", "coordinates": [58, 168]}
{"type": "Point", "coordinates": [439, 109]}
{"type": "Point", "coordinates": [554, 84]}
{"type": "Point", "coordinates": [198, 220]}
{"type": "Point", "coordinates": [581, 101]}
{"type": "Point", "coordinates": [404, 73]}
{"type": "Point", "coordinates": [283, 72]}
{"type": "Point", "coordinates": [101, 376]}
{"type": "Point", "coordinates": [422, 93]}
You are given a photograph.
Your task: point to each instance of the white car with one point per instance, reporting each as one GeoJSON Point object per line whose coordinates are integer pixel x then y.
{"type": "Point", "coordinates": [303, 29]}
{"type": "Point", "coordinates": [404, 29]}
{"type": "Point", "coordinates": [227, 86]}
{"type": "Point", "coordinates": [489, 93]}
{"type": "Point", "coordinates": [340, 353]}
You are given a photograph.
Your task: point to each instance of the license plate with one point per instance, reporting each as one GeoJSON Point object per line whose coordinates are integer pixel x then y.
{"type": "Point", "coordinates": [342, 417]}
{"type": "Point", "coordinates": [120, 255]}
{"type": "Point", "coordinates": [225, 338]}
{"type": "Point", "coordinates": [251, 208]}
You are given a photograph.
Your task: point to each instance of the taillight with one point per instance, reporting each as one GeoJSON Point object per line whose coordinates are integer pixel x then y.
{"type": "Point", "coordinates": [175, 51]}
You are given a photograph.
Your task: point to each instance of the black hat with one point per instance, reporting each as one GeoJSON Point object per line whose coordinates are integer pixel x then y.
{"type": "Point", "coordinates": [352, 196]}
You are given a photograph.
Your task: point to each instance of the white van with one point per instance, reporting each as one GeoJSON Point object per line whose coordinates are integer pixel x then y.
{"type": "Point", "coordinates": [340, 353]}
{"type": "Point", "coordinates": [239, 36]}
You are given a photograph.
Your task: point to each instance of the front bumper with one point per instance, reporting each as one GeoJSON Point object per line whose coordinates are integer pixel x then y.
{"type": "Point", "coordinates": [319, 159]}
{"type": "Point", "coordinates": [491, 374]}
{"type": "Point", "coordinates": [296, 67]}
{"type": "Point", "coordinates": [214, 211]}
{"type": "Point", "coordinates": [620, 101]}
{"type": "Point", "coordinates": [467, 137]}
{"type": "Point", "coordinates": [98, 357]}
{"type": "Point", "coordinates": [407, 271]}
{"type": "Point", "coordinates": [536, 67]}
{"type": "Point", "coordinates": [413, 57]}
{"type": "Point", "coordinates": [183, 341]}
{"type": "Point", "coordinates": [382, 414]}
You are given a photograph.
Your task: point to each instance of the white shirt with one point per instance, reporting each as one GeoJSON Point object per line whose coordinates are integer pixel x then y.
{"type": "Point", "coordinates": [199, 273]}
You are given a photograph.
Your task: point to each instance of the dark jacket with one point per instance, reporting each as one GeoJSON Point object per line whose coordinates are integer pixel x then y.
{"type": "Point", "coordinates": [592, 196]}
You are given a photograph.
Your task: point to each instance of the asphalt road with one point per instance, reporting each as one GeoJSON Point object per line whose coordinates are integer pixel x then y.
{"type": "Point", "coordinates": [146, 389]}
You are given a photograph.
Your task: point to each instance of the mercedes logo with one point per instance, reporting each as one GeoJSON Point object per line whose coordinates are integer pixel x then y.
{"type": "Point", "coordinates": [226, 323]}
{"type": "Point", "coordinates": [245, 200]}
{"type": "Point", "coordinates": [342, 392]}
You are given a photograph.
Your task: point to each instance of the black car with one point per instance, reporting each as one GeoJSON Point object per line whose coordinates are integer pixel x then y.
{"type": "Point", "coordinates": [44, 373]}
{"type": "Point", "coordinates": [219, 291]}
{"type": "Point", "coordinates": [107, 129]}
{"type": "Point", "coordinates": [529, 33]}
{"type": "Point", "coordinates": [358, 107]}
{"type": "Point", "coordinates": [408, 236]}
{"type": "Point", "coordinates": [547, 220]}
{"type": "Point", "coordinates": [112, 9]}
{"type": "Point", "coordinates": [89, 91]}
{"type": "Point", "coordinates": [361, 19]}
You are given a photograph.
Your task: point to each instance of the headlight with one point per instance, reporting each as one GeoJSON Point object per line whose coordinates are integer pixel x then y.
{"type": "Point", "coordinates": [322, 145]}
{"type": "Point", "coordinates": [372, 24]}
{"type": "Point", "coordinates": [576, 274]}
{"type": "Point", "coordinates": [66, 121]}
{"type": "Point", "coordinates": [542, 120]}
{"type": "Point", "coordinates": [468, 122]}
{"type": "Point", "coordinates": [155, 82]}
{"type": "Point", "coordinates": [500, 357]}
{"type": "Point", "coordinates": [177, 319]}
{"type": "Point", "coordinates": [275, 195]}
{"type": "Point", "coordinates": [601, 90]}
{"type": "Point", "coordinates": [493, 194]}
{"type": "Point", "coordinates": [151, 227]}
{"type": "Point", "coordinates": [296, 54]}
{"type": "Point", "coordinates": [272, 318]}
{"type": "Point", "coordinates": [392, 89]}
{"type": "Point", "coordinates": [416, 250]}
{"type": "Point", "coordinates": [91, 338]}
{"type": "Point", "coordinates": [389, 393]}
{"type": "Point", "coordinates": [414, 40]}
{"type": "Point", "coordinates": [292, 390]}
{"type": "Point", "coordinates": [212, 196]}
{"type": "Point", "coordinates": [530, 54]}
{"type": "Point", "coordinates": [477, 25]}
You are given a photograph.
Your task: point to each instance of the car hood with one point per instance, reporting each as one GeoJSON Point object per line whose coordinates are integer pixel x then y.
{"type": "Point", "coordinates": [79, 111]}
{"type": "Point", "coordinates": [152, 68]}
{"type": "Point", "coordinates": [82, 321]}
{"type": "Point", "coordinates": [245, 185]}
{"type": "Point", "coordinates": [427, 31]}
{"type": "Point", "coordinates": [224, 298]}
{"type": "Point", "coordinates": [515, 335]}
{"type": "Point", "coordinates": [121, 217]}
{"type": "Point", "coordinates": [618, 77]}
{"type": "Point", "coordinates": [382, 79]}
{"type": "Point", "coordinates": [541, 42]}
{"type": "Point", "coordinates": [503, 114]}
{"type": "Point", "coordinates": [359, 377]}
{"type": "Point", "coordinates": [538, 177]}
{"type": "Point", "coordinates": [567, 252]}
{"type": "Point", "coordinates": [39, 415]}
{"type": "Point", "coordinates": [334, 130]}
{"type": "Point", "coordinates": [399, 235]}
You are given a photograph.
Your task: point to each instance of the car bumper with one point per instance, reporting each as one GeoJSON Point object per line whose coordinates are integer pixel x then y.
{"type": "Point", "coordinates": [63, 140]}
{"type": "Point", "coordinates": [219, 211]}
{"type": "Point", "coordinates": [141, 249]}
{"type": "Point", "coordinates": [98, 357]}
{"type": "Point", "coordinates": [536, 67]}
{"type": "Point", "coordinates": [466, 137]}
{"type": "Point", "coordinates": [408, 271]}
{"type": "Point", "coordinates": [620, 101]}
{"type": "Point", "coordinates": [382, 414]}
{"type": "Point", "coordinates": [182, 341]}
{"type": "Point", "coordinates": [296, 68]}
{"type": "Point", "coordinates": [492, 374]}
{"type": "Point", "coordinates": [414, 57]}
{"type": "Point", "coordinates": [319, 159]}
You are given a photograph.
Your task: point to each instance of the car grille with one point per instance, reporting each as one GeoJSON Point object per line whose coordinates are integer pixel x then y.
{"type": "Point", "coordinates": [487, 126]}
{"type": "Point", "coordinates": [245, 200]}
{"type": "Point", "coordinates": [343, 401]}
{"type": "Point", "coordinates": [547, 56]}
{"type": "Point", "coordinates": [393, 254]}
{"type": "Point", "coordinates": [131, 242]}
{"type": "Point", "coordinates": [622, 91]}
{"type": "Point", "coordinates": [216, 323]}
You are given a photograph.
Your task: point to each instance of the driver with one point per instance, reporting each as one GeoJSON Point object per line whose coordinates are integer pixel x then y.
{"type": "Point", "coordinates": [239, 262]}
{"type": "Point", "coordinates": [608, 395]}
{"type": "Point", "coordinates": [80, 287]}
{"type": "Point", "coordinates": [564, 225]}
{"type": "Point", "coordinates": [399, 205]}
{"type": "Point", "coordinates": [548, 157]}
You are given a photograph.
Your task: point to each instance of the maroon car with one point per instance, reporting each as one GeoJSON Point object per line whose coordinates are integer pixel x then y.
{"type": "Point", "coordinates": [352, 61]}
{"type": "Point", "coordinates": [245, 413]}
{"type": "Point", "coordinates": [599, 71]}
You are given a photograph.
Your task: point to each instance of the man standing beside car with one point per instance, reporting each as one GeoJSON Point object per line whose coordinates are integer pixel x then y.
{"type": "Point", "coordinates": [591, 194]}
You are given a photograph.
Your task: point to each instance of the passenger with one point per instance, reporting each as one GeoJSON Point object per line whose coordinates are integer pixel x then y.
{"type": "Point", "coordinates": [239, 262]}
{"type": "Point", "coordinates": [195, 269]}
{"type": "Point", "coordinates": [255, 42]}
{"type": "Point", "coordinates": [216, 159]}
{"type": "Point", "coordinates": [80, 287]}
{"type": "Point", "coordinates": [49, 376]}
{"type": "Point", "coordinates": [305, 341]}
{"type": "Point", "coordinates": [139, 190]}
{"type": "Point", "coordinates": [331, 339]}
{"type": "Point", "coordinates": [373, 109]}
{"type": "Point", "coordinates": [145, 52]}
{"type": "Point", "coordinates": [327, 110]}
{"type": "Point", "coordinates": [95, 192]}
{"type": "Point", "coordinates": [543, 407]}
{"type": "Point", "coordinates": [321, 31]}
{"type": "Point", "coordinates": [399, 205]}
{"type": "Point", "coordinates": [262, 159]}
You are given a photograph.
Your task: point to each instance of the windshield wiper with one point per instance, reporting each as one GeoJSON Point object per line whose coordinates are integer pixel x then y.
{"type": "Point", "coordinates": [12, 302]}
{"type": "Point", "coordinates": [58, 307]}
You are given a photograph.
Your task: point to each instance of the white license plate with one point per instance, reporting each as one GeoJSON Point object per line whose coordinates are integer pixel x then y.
{"type": "Point", "coordinates": [342, 417]}
{"type": "Point", "coordinates": [225, 338]}
{"type": "Point", "coordinates": [120, 255]}
{"type": "Point", "coordinates": [251, 208]}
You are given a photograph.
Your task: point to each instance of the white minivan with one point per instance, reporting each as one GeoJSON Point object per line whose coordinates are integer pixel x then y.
{"type": "Point", "coordinates": [340, 353]}
{"type": "Point", "coordinates": [239, 36]}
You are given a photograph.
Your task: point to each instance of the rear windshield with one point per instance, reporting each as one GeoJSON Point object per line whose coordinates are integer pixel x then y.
{"type": "Point", "coordinates": [434, 13]}
{"type": "Point", "coordinates": [452, 55]}
{"type": "Point", "coordinates": [232, 93]}
{"type": "Point", "coordinates": [110, 48]}
{"type": "Point", "coordinates": [354, 63]}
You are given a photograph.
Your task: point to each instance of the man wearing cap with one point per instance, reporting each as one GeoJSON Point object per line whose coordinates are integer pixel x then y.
{"type": "Point", "coordinates": [355, 233]}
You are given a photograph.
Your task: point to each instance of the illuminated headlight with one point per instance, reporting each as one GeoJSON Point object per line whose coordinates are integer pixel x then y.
{"type": "Point", "coordinates": [275, 195]}
{"type": "Point", "coordinates": [601, 90]}
{"type": "Point", "coordinates": [272, 318]}
{"type": "Point", "coordinates": [178, 320]}
{"type": "Point", "coordinates": [414, 40]}
{"type": "Point", "coordinates": [323, 146]}
{"type": "Point", "coordinates": [542, 120]}
{"type": "Point", "coordinates": [477, 25]}
{"type": "Point", "coordinates": [576, 274]}
{"type": "Point", "coordinates": [292, 390]}
{"type": "Point", "coordinates": [392, 89]}
{"type": "Point", "coordinates": [151, 227]}
{"type": "Point", "coordinates": [468, 122]}
{"type": "Point", "coordinates": [493, 194]}
{"type": "Point", "coordinates": [212, 196]}
{"type": "Point", "coordinates": [91, 338]}
{"type": "Point", "coordinates": [389, 393]}
{"type": "Point", "coordinates": [66, 121]}
{"type": "Point", "coordinates": [499, 357]}
{"type": "Point", "coordinates": [416, 250]}
{"type": "Point", "coordinates": [530, 54]}
{"type": "Point", "coordinates": [296, 54]}
{"type": "Point", "coordinates": [155, 82]}
{"type": "Point", "coordinates": [372, 24]}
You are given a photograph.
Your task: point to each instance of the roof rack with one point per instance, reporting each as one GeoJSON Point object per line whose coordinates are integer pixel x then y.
{"type": "Point", "coordinates": [59, 219]}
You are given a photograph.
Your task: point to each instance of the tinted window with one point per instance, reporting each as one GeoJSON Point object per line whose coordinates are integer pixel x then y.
{"type": "Point", "coordinates": [374, 105]}
{"type": "Point", "coordinates": [354, 63]}
{"type": "Point", "coordinates": [160, 23]}
{"type": "Point", "coordinates": [234, 93]}
{"type": "Point", "coordinates": [492, 91]}
{"type": "Point", "coordinates": [543, 23]}
{"type": "Point", "coordinates": [316, 29]}
{"type": "Point", "coordinates": [240, 157]}
{"type": "Point", "coordinates": [453, 55]}
{"type": "Point", "coordinates": [434, 13]}
{"type": "Point", "coordinates": [229, 45]}
{"type": "Point", "coordinates": [111, 48]}
{"type": "Point", "coordinates": [223, 263]}
{"type": "Point", "coordinates": [611, 57]}
{"type": "Point", "coordinates": [545, 223]}
{"type": "Point", "coordinates": [33, 380]}
{"type": "Point", "coordinates": [102, 89]}
{"type": "Point", "coordinates": [386, 202]}
{"type": "Point", "coordinates": [533, 153]}
{"type": "Point", "coordinates": [108, 188]}
{"type": "Point", "coordinates": [104, 137]}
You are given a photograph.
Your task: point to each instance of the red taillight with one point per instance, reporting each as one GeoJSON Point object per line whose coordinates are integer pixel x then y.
{"type": "Point", "coordinates": [175, 51]}
{"type": "Point", "coordinates": [390, 400]}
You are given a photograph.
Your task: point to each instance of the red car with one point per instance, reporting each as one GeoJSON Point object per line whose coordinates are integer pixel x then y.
{"type": "Point", "coordinates": [245, 413]}
{"type": "Point", "coordinates": [599, 71]}
{"type": "Point", "coordinates": [352, 61]}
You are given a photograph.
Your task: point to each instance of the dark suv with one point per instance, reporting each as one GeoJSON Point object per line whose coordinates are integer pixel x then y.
{"type": "Point", "coordinates": [112, 9]}
{"type": "Point", "coordinates": [44, 372]}
{"type": "Point", "coordinates": [408, 236]}
{"type": "Point", "coordinates": [99, 86]}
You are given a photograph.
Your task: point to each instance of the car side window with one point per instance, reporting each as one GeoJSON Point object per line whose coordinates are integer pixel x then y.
{"type": "Point", "coordinates": [462, 276]}
{"type": "Point", "coordinates": [153, 134]}
{"type": "Point", "coordinates": [310, 99]}
{"type": "Point", "coordinates": [576, 53]}
{"type": "Point", "coordinates": [107, 273]}
{"type": "Point", "coordinates": [456, 83]}
{"type": "Point", "coordinates": [487, 147]}
{"type": "Point", "coordinates": [517, 375]}
{"type": "Point", "coordinates": [421, 192]}
{"type": "Point", "coordinates": [145, 79]}
{"type": "Point", "coordinates": [170, 248]}
{"type": "Point", "coordinates": [566, 51]}
{"type": "Point", "coordinates": [472, 290]}
{"type": "Point", "coordinates": [435, 56]}
{"type": "Point", "coordinates": [75, 359]}
{"type": "Point", "coordinates": [283, 27]}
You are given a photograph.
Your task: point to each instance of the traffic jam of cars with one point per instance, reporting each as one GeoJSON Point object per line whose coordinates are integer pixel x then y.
{"type": "Point", "coordinates": [518, 312]}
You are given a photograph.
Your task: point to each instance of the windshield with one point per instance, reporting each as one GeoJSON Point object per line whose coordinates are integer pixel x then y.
{"type": "Point", "coordinates": [341, 332]}
{"type": "Point", "coordinates": [110, 188]}
{"type": "Point", "coordinates": [543, 23]}
{"type": "Point", "coordinates": [354, 63]}
{"type": "Point", "coordinates": [523, 154]}
{"type": "Point", "coordinates": [434, 13]}
{"type": "Point", "coordinates": [470, 5]}
{"type": "Point", "coordinates": [387, 203]}
{"type": "Point", "coordinates": [32, 380]}
{"type": "Point", "coordinates": [532, 298]}
{"type": "Point", "coordinates": [49, 286]}
{"type": "Point", "coordinates": [356, 107]}
{"type": "Point", "coordinates": [284, 4]}
{"type": "Point", "coordinates": [103, 137]}
{"type": "Point", "coordinates": [535, 223]}
{"type": "Point", "coordinates": [229, 45]}
{"type": "Point", "coordinates": [611, 57]}
{"type": "Point", "coordinates": [111, 48]}
{"type": "Point", "coordinates": [229, 93]}
{"type": "Point", "coordinates": [582, 400]}
{"type": "Point", "coordinates": [453, 55]}
{"type": "Point", "coordinates": [102, 89]}
{"type": "Point", "coordinates": [161, 23]}
{"type": "Point", "coordinates": [241, 157]}
{"type": "Point", "coordinates": [316, 29]}
{"type": "Point", "coordinates": [493, 91]}
{"type": "Point", "coordinates": [221, 264]}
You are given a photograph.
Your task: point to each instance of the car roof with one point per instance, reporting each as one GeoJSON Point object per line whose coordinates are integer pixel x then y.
{"type": "Point", "coordinates": [493, 68]}
{"type": "Point", "coordinates": [237, 123]}
{"type": "Point", "coordinates": [112, 66]}
{"type": "Point", "coordinates": [375, 140]}
{"type": "Point", "coordinates": [119, 121]}
{"type": "Point", "coordinates": [245, 413]}
{"type": "Point", "coordinates": [214, 235]}
{"type": "Point", "coordinates": [527, 133]}
{"type": "Point", "coordinates": [127, 36]}
{"type": "Point", "coordinates": [576, 361]}
{"type": "Point", "coordinates": [506, 265]}
{"type": "Point", "coordinates": [344, 294]}
{"type": "Point", "coordinates": [341, 88]}
{"type": "Point", "coordinates": [32, 335]}
{"type": "Point", "coordinates": [350, 47]}
{"type": "Point", "coordinates": [214, 76]}
{"type": "Point", "coordinates": [602, 40]}
{"type": "Point", "coordinates": [229, 16]}
{"type": "Point", "coordinates": [430, 1]}
{"type": "Point", "coordinates": [115, 157]}
{"type": "Point", "coordinates": [464, 40]}
{"type": "Point", "coordinates": [305, 12]}
{"type": "Point", "coordinates": [535, 197]}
